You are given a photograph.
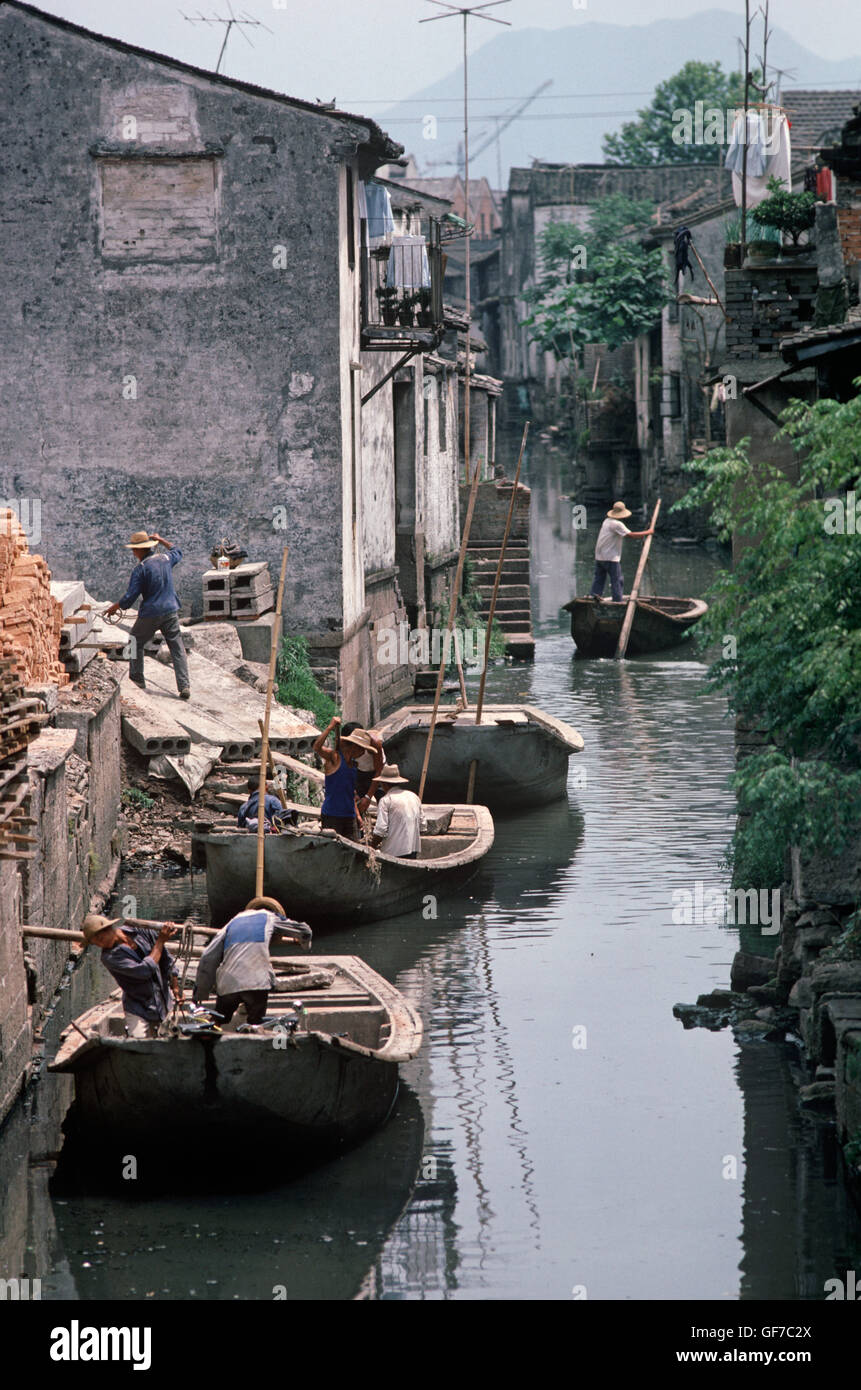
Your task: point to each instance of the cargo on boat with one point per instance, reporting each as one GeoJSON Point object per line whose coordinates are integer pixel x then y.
{"type": "Point", "coordinates": [324, 878]}
{"type": "Point", "coordinates": [658, 623]}
{"type": "Point", "coordinates": [321, 1072]}
{"type": "Point", "coordinates": [521, 754]}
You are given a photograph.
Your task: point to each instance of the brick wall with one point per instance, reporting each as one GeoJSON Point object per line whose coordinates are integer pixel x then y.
{"type": "Point", "coordinates": [849, 218]}
{"type": "Point", "coordinates": [766, 305]}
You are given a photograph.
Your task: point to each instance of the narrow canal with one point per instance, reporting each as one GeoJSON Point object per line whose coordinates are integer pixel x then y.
{"type": "Point", "coordinates": [560, 1134]}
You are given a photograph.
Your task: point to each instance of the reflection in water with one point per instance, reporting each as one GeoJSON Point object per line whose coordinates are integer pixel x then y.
{"type": "Point", "coordinates": [535, 1162]}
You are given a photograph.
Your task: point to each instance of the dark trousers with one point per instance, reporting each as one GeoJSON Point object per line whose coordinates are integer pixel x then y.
{"type": "Point", "coordinates": [255, 1001]}
{"type": "Point", "coordinates": [144, 630]}
{"type": "Point", "coordinates": [345, 825]}
{"type": "Point", "coordinates": [604, 570]}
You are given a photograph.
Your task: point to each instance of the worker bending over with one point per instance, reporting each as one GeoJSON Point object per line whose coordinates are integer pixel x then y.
{"type": "Point", "coordinates": [236, 967]}
{"type": "Point", "coordinates": [398, 828]}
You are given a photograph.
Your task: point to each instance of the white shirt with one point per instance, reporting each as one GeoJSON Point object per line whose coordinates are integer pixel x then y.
{"type": "Point", "coordinates": [610, 536]}
{"type": "Point", "coordinates": [399, 822]}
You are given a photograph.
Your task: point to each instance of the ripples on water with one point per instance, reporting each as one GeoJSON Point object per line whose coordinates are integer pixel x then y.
{"type": "Point", "coordinates": [521, 1162]}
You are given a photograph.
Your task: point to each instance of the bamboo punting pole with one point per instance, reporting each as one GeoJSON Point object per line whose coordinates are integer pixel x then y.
{"type": "Point", "coordinates": [632, 600]}
{"type": "Point", "coordinates": [66, 933]}
{"type": "Point", "coordinates": [264, 746]}
{"type": "Point", "coordinates": [473, 767]}
{"type": "Point", "coordinates": [455, 593]}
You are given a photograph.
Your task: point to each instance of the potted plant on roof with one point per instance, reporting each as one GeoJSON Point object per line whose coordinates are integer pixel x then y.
{"type": "Point", "coordinates": [388, 295]}
{"type": "Point", "coordinates": [793, 214]}
{"type": "Point", "coordinates": [733, 251]}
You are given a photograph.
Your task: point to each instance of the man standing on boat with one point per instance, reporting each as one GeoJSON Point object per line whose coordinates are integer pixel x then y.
{"type": "Point", "coordinates": [398, 829]}
{"type": "Point", "coordinates": [235, 965]}
{"type": "Point", "coordinates": [608, 552]}
{"type": "Point", "coordinates": [142, 966]}
{"type": "Point", "coordinates": [338, 811]}
{"type": "Point", "coordinates": [152, 582]}
{"type": "Point", "coordinates": [369, 764]}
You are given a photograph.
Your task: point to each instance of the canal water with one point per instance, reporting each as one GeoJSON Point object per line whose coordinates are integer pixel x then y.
{"type": "Point", "coordinates": [560, 1135]}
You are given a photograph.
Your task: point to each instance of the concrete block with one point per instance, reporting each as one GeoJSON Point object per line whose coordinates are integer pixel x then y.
{"type": "Point", "coordinates": [256, 638]}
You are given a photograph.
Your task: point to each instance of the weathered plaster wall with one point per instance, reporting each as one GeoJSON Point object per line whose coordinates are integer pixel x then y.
{"type": "Point", "coordinates": [236, 402]}
{"type": "Point", "coordinates": [14, 1019]}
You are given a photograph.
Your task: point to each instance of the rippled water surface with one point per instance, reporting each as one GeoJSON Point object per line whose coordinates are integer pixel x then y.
{"type": "Point", "coordinates": [559, 1131]}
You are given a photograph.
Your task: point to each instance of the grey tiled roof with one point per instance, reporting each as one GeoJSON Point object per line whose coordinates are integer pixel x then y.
{"type": "Point", "coordinates": [817, 118]}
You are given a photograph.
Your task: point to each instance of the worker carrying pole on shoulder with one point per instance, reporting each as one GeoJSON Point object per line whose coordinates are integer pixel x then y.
{"type": "Point", "coordinates": [152, 582]}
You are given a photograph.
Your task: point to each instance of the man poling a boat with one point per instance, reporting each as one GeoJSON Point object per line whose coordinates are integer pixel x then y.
{"type": "Point", "coordinates": [398, 828]}
{"type": "Point", "coordinates": [608, 552]}
{"type": "Point", "coordinates": [142, 966]}
{"type": "Point", "coordinates": [235, 965]}
{"type": "Point", "coordinates": [338, 811]}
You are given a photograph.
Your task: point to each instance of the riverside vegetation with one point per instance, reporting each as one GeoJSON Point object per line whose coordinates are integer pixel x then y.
{"type": "Point", "coordinates": [787, 618]}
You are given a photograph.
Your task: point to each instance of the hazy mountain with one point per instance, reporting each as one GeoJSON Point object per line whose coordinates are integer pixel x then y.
{"type": "Point", "coordinates": [602, 74]}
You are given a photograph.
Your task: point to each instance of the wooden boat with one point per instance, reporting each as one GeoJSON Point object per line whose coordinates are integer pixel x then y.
{"type": "Point", "coordinates": [325, 879]}
{"type": "Point", "coordinates": [658, 623]}
{"type": "Point", "coordinates": [521, 753]}
{"type": "Point", "coordinates": [327, 1084]}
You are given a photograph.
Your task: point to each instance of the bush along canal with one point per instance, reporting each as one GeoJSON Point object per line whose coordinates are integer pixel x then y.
{"type": "Point", "coordinates": [560, 1134]}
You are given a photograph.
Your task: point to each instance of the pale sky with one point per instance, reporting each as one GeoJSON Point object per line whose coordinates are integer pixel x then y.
{"type": "Point", "coordinates": [371, 54]}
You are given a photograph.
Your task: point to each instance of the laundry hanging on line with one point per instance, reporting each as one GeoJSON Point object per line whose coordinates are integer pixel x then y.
{"type": "Point", "coordinates": [769, 154]}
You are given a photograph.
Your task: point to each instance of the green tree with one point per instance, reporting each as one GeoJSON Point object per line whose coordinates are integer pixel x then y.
{"type": "Point", "coordinates": [650, 138]}
{"type": "Point", "coordinates": [598, 285]}
{"type": "Point", "coordinates": [788, 618]}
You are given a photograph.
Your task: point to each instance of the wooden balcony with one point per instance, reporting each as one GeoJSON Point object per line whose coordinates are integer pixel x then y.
{"type": "Point", "coordinates": [401, 288]}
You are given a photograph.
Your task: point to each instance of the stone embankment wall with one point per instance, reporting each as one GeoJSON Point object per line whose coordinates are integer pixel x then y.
{"type": "Point", "coordinates": [74, 772]}
{"type": "Point", "coordinates": [816, 970]}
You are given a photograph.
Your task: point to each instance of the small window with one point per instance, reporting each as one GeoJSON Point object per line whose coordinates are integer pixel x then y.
{"type": "Point", "coordinates": [443, 413]}
{"type": "Point", "coordinates": [674, 395]}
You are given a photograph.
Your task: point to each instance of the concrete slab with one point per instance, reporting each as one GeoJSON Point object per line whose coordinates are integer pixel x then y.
{"type": "Point", "coordinates": [69, 593]}
{"type": "Point", "coordinates": [50, 749]}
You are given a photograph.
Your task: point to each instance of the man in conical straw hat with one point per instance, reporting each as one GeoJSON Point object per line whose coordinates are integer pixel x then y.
{"type": "Point", "coordinates": [608, 552]}
{"type": "Point", "coordinates": [152, 582]}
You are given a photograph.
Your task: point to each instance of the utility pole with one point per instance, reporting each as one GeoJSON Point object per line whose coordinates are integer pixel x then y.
{"type": "Point", "coordinates": [466, 11]}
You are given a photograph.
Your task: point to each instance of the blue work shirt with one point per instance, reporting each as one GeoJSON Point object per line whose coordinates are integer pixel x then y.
{"type": "Point", "coordinates": [152, 580]}
{"type": "Point", "coordinates": [145, 983]}
{"type": "Point", "coordinates": [271, 807]}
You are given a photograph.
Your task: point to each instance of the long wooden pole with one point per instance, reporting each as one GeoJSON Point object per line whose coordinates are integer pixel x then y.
{"type": "Point", "coordinates": [264, 745]}
{"type": "Point", "coordinates": [493, 598]}
{"type": "Point", "coordinates": [632, 601]}
{"type": "Point", "coordinates": [455, 594]}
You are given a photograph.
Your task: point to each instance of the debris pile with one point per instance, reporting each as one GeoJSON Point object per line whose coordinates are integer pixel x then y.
{"type": "Point", "coordinates": [30, 617]}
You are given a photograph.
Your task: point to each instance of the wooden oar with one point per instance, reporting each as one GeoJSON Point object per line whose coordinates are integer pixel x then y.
{"type": "Point", "coordinates": [455, 594]}
{"type": "Point", "coordinates": [264, 746]}
{"type": "Point", "coordinates": [632, 601]}
{"type": "Point", "coordinates": [470, 790]}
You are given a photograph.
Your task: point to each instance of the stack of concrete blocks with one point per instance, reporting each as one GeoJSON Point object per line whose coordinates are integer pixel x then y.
{"type": "Point", "coordinates": [76, 651]}
{"type": "Point", "coordinates": [240, 594]}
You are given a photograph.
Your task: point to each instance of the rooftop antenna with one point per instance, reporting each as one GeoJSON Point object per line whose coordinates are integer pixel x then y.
{"type": "Point", "coordinates": [241, 22]}
{"type": "Point", "coordinates": [466, 12]}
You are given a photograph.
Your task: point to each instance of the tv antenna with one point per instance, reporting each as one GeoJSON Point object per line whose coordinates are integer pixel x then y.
{"type": "Point", "coordinates": [241, 22]}
{"type": "Point", "coordinates": [467, 12]}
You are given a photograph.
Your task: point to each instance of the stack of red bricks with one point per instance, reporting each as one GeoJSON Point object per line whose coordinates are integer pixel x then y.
{"type": "Point", "coordinates": [30, 618]}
